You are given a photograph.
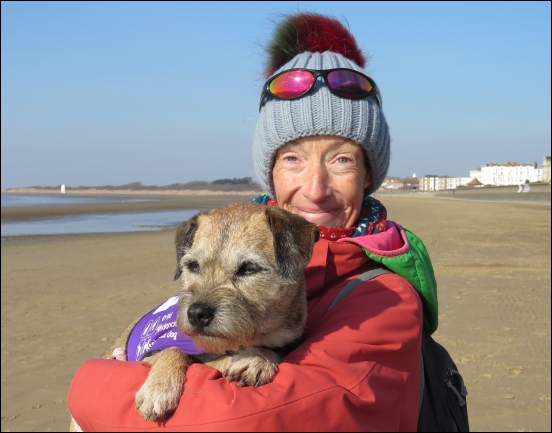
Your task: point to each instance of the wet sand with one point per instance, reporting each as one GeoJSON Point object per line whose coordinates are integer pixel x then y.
{"type": "Point", "coordinates": [65, 297]}
{"type": "Point", "coordinates": [159, 202]}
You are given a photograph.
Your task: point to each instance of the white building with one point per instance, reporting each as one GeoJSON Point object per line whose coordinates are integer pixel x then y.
{"type": "Point", "coordinates": [455, 182]}
{"type": "Point", "coordinates": [511, 173]}
{"type": "Point", "coordinates": [428, 183]}
{"type": "Point", "coordinates": [546, 169]}
{"type": "Point", "coordinates": [439, 183]}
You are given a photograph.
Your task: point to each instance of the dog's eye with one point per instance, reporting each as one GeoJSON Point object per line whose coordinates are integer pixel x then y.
{"type": "Point", "coordinates": [193, 267]}
{"type": "Point", "coordinates": [248, 268]}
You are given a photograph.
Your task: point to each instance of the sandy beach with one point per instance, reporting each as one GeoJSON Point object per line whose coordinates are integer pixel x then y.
{"type": "Point", "coordinates": [65, 297]}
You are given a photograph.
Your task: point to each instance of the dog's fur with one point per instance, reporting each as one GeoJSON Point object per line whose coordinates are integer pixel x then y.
{"type": "Point", "coordinates": [242, 264]}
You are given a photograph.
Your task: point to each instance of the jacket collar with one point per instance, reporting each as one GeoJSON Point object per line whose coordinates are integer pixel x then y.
{"type": "Point", "coordinates": [331, 262]}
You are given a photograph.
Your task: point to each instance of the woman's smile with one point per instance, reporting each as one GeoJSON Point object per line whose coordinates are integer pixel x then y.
{"type": "Point", "coordinates": [314, 215]}
{"type": "Point", "coordinates": [322, 179]}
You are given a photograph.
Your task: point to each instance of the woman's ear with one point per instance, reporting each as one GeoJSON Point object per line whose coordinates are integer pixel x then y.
{"type": "Point", "coordinates": [367, 180]}
{"type": "Point", "coordinates": [367, 175]}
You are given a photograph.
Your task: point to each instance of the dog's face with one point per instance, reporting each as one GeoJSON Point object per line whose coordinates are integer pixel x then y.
{"type": "Point", "coordinates": [242, 276]}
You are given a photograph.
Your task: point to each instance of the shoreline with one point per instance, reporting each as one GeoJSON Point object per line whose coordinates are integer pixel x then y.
{"type": "Point", "coordinates": [80, 236]}
{"type": "Point", "coordinates": [125, 192]}
{"type": "Point", "coordinates": [184, 200]}
{"type": "Point", "coordinates": [165, 203]}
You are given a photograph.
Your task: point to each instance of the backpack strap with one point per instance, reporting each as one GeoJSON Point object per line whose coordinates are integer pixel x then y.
{"type": "Point", "coordinates": [422, 383]}
{"type": "Point", "coordinates": [362, 278]}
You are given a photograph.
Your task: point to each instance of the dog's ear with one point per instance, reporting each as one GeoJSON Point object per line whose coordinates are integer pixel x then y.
{"type": "Point", "coordinates": [184, 239]}
{"type": "Point", "coordinates": [294, 238]}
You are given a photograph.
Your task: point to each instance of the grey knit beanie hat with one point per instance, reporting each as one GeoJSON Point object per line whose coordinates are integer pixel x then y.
{"type": "Point", "coordinates": [320, 112]}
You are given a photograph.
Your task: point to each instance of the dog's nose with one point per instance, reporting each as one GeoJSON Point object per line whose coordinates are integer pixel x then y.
{"type": "Point", "coordinates": [200, 315]}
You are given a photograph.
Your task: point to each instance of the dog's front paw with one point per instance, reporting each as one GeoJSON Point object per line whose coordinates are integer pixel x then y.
{"type": "Point", "coordinates": [253, 367]}
{"type": "Point", "coordinates": [159, 396]}
{"type": "Point", "coordinates": [157, 399]}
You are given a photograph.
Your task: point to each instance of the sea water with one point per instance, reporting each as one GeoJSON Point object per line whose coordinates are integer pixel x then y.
{"type": "Point", "coordinates": [99, 223]}
{"type": "Point", "coordinates": [91, 223]}
{"type": "Point", "coordinates": [9, 200]}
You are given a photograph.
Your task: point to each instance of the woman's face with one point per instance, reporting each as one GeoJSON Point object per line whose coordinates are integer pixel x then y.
{"type": "Point", "coordinates": [322, 179]}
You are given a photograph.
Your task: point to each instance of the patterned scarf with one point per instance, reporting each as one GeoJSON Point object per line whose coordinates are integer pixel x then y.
{"type": "Point", "coordinates": [372, 219]}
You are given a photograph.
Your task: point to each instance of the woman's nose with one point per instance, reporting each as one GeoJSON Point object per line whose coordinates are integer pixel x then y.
{"type": "Point", "coordinates": [316, 183]}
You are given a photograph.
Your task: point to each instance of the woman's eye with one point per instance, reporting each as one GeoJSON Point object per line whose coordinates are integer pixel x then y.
{"type": "Point", "coordinates": [343, 160]}
{"type": "Point", "coordinates": [291, 158]}
{"type": "Point", "coordinates": [193, 267]}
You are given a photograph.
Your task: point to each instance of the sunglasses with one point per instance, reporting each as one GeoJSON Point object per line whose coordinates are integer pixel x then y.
{"type": "Point", "coordinates": [295, 83]}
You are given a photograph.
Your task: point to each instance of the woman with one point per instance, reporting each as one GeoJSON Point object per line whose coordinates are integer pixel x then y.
{"type": "Point", "coordinates": [321, 146]}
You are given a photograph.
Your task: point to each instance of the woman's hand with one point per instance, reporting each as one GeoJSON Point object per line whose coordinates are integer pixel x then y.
{"type": "Point", "coordinates": [119, 354]}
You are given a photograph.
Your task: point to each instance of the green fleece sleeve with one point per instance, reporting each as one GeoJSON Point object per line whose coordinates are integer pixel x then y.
{"type": "Point", "coordinates": [415, 266]}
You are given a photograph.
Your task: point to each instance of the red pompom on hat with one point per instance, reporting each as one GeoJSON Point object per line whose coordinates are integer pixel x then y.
{"type": "Point", "coordinates": [313, 33]}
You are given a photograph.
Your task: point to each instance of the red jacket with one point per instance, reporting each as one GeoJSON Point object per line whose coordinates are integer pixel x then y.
{"type": "Point", "coordinates": [358, 368]}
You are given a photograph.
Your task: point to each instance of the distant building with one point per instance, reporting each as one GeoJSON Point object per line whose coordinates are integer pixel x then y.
{"type": "Point", "coordinates": [511, 173]}
{"type": "Point", "coordinates": [408, 183]}
{"type": "Point", "coordinates": [389, 183]}
{"type": "Point", "coordinates": [427, 183]}
{"type": "Point", "coordinates": [455, 182]}
{"type": "Point", "coordinates": [63, 188]}
{"type": "Point", "coordinates": [546, 169]}
{"type": "Point", "coordinates": [474, 183]}
{"type": "Point", "coordinates": [439, 183]}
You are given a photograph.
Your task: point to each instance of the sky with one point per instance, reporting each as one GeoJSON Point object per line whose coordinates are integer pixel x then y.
{"type": "Point", "coordinates": [96, 93]}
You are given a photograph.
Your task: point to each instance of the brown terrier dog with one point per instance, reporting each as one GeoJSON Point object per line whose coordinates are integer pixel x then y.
{"type": "Point", "coordinates": [243, 295]}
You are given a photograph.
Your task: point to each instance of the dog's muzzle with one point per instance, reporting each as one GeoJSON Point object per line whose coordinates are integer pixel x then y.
{"type": "Point", "coordinates": [200, 314]}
